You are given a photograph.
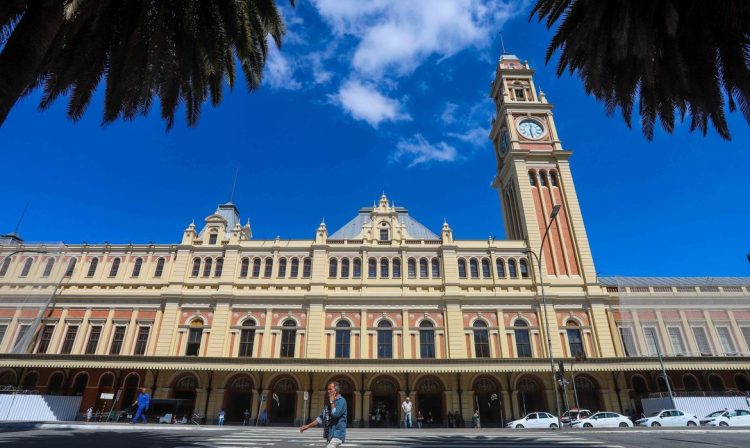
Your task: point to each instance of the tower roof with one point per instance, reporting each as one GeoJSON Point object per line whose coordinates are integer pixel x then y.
{"type": "Point", "coordinates": [354, 228]}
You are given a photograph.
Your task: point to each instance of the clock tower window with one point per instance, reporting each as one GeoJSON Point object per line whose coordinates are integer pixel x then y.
{"type": "Point", "coordinates": [532, 179]}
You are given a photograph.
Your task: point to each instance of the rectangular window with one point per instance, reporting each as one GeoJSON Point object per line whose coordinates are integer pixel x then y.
{"type": "Point", "coordinates": [481, 344]}
{"type": "Point", "coordinates": [247, 339]}
{"type": "Point", "coordinates": [141, 341]}
{"type": "Point", "coordinates": [575, 342]}
{"type": "Point", "coordinates": [94, 335]}
{"type": "Point", "coordinates": [426, 344]}
{"type": "Point", "coordinates": [3, 329]}
{"type": "Point", "coordinates": [725, 338]}
{"type": "Point", "coordinates": [701, 339]}
{"type": "Point", "coordinates": [628, 341]}
{"type": "Point", "coordinates": [117, 338]}
{"type": "Point", "coordinates": [70, 338]}
{"type": "Point", "coordinates": [383, 234]}
{"type": "Point", "coordinates": [385, 344]}
{"type": "Point", "coordinates": [45, 338]}
{"type": "Point", "coordinates": [745, 334]}
{"type": "Point", "coordinates": [287, 343]}
{"type": "Point", "coordinates": [194, 342]}
{"type": "Point", "coordinates": [523, 344]}
{"type": "Point", "coordinates": [675, 338]}
{"type": "Point", "coordinates": [22, 329]}
{"type": "Point", "coordinates": [342, 343]}
{"type": "Point", "coordinates": [652, 341]}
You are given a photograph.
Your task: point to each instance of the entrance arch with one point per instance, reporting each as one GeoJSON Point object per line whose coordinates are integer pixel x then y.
{"type": "Point", "coordinates": [588, 393]}
{"type": "Point", "coordinates": [106, 386]}
{"type": "Point", "coordinates": [239, 396]}
{"type": "Point", "coordinates": [80, 383]}
{"type": "Point", "coordinates": [430, 394]}
{"type": "Point", "coordinates": [530, 395]}
{"type": "Point", "coordinates": [489, 402]}
{"type": "Point", "coordinates": [283, 401]}
{"type": "Point", "coordinates": [129, 390]}
{"type": "Point", "coordinates": [184, 388]}
{"type": "Point", "coordinates": [55, 384]}
{"type": "Point", "coordinates": [639, 390]}
{"type": "Point", "coordinates": [384, 403]}
{"type": "Point", "coordinates": [8, 378]}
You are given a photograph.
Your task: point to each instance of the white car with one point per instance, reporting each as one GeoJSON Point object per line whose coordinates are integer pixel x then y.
{"type": "Point", "coordinates": [669, 417]}
{"type": "Point", "coordinates": [727, 417]}
{"type": "Point", "coordinates": [603, 420]}
{"type": "Point", "coordinates": [535, 420]}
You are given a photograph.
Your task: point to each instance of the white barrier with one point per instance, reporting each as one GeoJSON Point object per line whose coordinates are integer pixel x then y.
{"type": "Point", "coordinates": [38, 407]}
{"type": "Point", "coordinates": [697, 406]}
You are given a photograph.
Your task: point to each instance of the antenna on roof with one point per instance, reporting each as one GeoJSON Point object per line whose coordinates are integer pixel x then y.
{"type": "Point", "coordinates": [502, 42]}
{"type": "Point", "coordinates": [234, 185]}
{"type": "Point", "coordinates": [20, 219]}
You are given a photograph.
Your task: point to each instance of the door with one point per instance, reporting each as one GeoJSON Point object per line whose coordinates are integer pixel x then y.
{"type": "Point", "coordinates": [741, 418]}
{"type": "Point", "coordinates": [609, 420]}
{"type": "Point", "coordinates": [532, 421]}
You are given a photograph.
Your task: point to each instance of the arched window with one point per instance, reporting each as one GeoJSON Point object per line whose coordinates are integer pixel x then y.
{"type": "Point", "coordinates": [244, 267]}
{"type": "Point", "coordinates": [6, 265]}
{"type": "Point", "coordinates": [372, 268]}
{"type": "Point", "coordinates": [48, 267]}
{"type": "Point", "coordinates": [690, 383]}
{"type": "Point", "coordinates": [396, 268]}
{"type": "Point", "coordinates": [27, 267]}
{"type": "Point", "coordinates": [288, 336]}
{"type": "Point", "coordinates": [500, 266]}
{"type": "Point", "coordinates": [345, 268]}
{"type": "Point", "coordinates": [524, 268]}
{"type": "Point", "coordinates": [553, 178]}
{"type": "Point", "coordinates": [207, 265]}
{"type": "Point", "coordinates": [196, 267]}
{"type": "Point", "coordinates": [741, 382]}
{"type": "Point", "coordinates": [385, 339]}
{"type": "Point", "coordinates": [486, 268]}
{"type": "Point", "coordinates": [715, 383]}
{"type": "Point", "coordinates": [575, 342]}
{"type": "Point", "coordinates": [219, 267]}
{"type": "Point", "coordinates": [474, 268]}
{"type": "Point", "coordinates": [294, 271]}
{"type": "Point", "coordinates": [247, 338]}
{"type": "Point", "coordinates": [343, 334]}
{"type": "Point", "coordinates": [71, 267]}
{"type": "Point", "coordinates": [92, 267]}
{"type": "Point", "coordinates": [333, 268]}
{"type": "Point", "coordinates": [481, 339]}
{"type": "Point", "coordinates": [426, 339]}
{"type": "Point", "coordinates": [542, 178]}
{"type": "Point", "coordinates": [423, 268]}
{"type": "Point", "coordinates": [383, 268]}
{"type": "Point", "coordinates": [212, 237]}
{"type": "Point", "coordinates": [512, 269]}
{"type": "Point", "coordinates": [523, 342]}
{"type": "Point", "coordinates": [532, 179]}
{"type": "Point", "coordinates": [115, 267]}
{"type": "Point", "coordinates": [306, 268]}
{"type": "Point", "coordinates": [268, 267]}
{"type": "Point", "coordinates": [159, 267]}
{"type": "Point", "coordinates": [461, 268]}
{"type": "Point", "coordinates": [357, 268]}
{"type": "Point", "coordinates": [137, 267]}
{"type": "Point", "coordinates": [435, 268]}
{"type": "Point", "coordinates": [195, 334]}
{"type": "Point", "coordinates": [411, 267]}
{"type": "Point", "coordinates": [282, 268]}
{"type": "Point", "coordinates": [256, 267]}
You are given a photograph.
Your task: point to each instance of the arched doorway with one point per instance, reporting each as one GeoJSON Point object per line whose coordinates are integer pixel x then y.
{"type": "Point", "coordinates": [283, 402]}
{"type": "Point", "coordinates": [740, 381]}
{"type": "Point", "coordinates": [489, 402]}
{"type": "Point", "coordinates": [690, 383]}
{"type": "Point", "coordinates": [588, 394]}
{"type": "Point", "coordinates": [8, 378]}
{"type": "Point", "coordinates": [530, 397]}
{"type": "Point", "coordinates": [639, 390]}
{"type": "Point", "coordinates": [346, 389]}
{"type": "Point", "coordinates": [715, 383]}
{"type": "Point", "coordinates": [80, 382]}
{"type": "Point", "coordinates": [106, 386]}
{"type": "Point", "coordinates": [384, 403]}
{"type": "Point", "coordinates": [184, 389]}
{"type": "Point", "coordinates": [129, 390]}
{"type": "Point", "coordinates": [30, 381]}
{"type": "Point", "coordinates": [55, 384]}
{"type": "Point", "coordinates": [239, 396]}
{"type": "Point", "coordinates": [430, 401]}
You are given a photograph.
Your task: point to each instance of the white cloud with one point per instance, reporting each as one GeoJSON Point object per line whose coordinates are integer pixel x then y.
{"type": "Point", "coordinates": [419, 150]}
{"type": "Point", "coordinates": [474, 136]}
{"type": "Point", "coordinates": [364, 102]}
{"type": "Point", "coordinates": [279, 72]}
{"type": "Point", "coordinates": [448, 113]}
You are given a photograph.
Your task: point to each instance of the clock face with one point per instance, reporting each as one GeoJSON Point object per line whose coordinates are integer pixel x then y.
{"type": "Point", "coordinates": [531, 129]}
{"type": "Point", "coordinates": [504, 143]}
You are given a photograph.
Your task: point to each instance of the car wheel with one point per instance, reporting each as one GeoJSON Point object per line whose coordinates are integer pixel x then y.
{"type": "Point", "coordinates": [623, 425]}
{"type": "Point", "coordinates": [519, 426]}
{"type": "Point", "coordinates": [553, 426]}
{"type": "Point", "coordinates": [655, 424]}
{"type": "Point", "coordinates": [691, 423]}
{"type": "Point", "coordinates": [723, 424]}
{"type": "Point", "coordinates": [588, 425]}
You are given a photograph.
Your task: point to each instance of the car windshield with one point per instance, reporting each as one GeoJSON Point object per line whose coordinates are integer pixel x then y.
{"type": "Point", "coordinates": [654, 414]}
{"type": "Point", "coordinates": [716, 414]}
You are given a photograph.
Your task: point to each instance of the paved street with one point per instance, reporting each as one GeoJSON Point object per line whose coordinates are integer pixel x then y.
{"type": "Point", "coordinates": [113, 436]}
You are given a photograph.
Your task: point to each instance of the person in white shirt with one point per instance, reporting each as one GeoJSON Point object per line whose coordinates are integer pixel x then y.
{"type": "Point", "coordinates": [406, 407]}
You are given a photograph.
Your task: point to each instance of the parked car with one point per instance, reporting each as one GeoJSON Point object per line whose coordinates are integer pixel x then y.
{"type": "Point", "coordinates": [535, 420]}
{"type": "Point", "coordinates": [727, 417]}
{"type": "Point", "coordinates": [572, 415]}
{"type": "Point", "coordinates": [603, 420]}
{"type": "Point", "coordinates": [668, 417]}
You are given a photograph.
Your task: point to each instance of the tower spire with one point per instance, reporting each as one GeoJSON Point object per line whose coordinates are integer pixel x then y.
{"type": "Point", "coordinates": [502, 42]}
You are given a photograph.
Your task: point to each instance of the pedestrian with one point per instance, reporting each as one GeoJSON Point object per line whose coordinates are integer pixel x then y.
{"type": "Point", "coordinates": [406, 407]}
{"type": "Point", "coordinates": [143, 401]}
{"type": "Point", "coordinates": [246, 418]}
{"type": "Point", "coordinates": [475, 420]}
{"type": "Point", "coordinates": [333, 417]}
{"type": "Point", "coordinates": [430, 420]}
{"type": "Point", "coordinates": [264, 417]}
{"type": "Point", "coordinates": [89, 413]}
{"type": "Point", "coordinates": [420, 419]}
{"type": "Point", "coordinates": [222, 414]}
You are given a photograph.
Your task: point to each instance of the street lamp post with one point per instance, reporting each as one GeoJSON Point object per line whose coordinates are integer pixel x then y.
{"type": "Point", "coordinates": [555, 211]}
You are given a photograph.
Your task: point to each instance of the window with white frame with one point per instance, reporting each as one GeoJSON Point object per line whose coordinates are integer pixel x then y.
{"type": "Point", "coordinates": [675, 338]}
{"type": "Point", "coordinates": [22, 329]}
{"type": "Point", "coordinates": [628, 341]}
{"type": "Point", "coordinates": [701, 339]}
{"type": "Point", "coordinates": [745, 334]}
{"type": "Point", "coordinates": [70, 338]}
{"type": "Point", "coordinates": [141, 340]}
{"type": "Point", "coordinates": [3, 329]}
{"type": "Point", "coordinates": [726, 341]}
{"type": "Point", "coordinates": [652, 340]}
{"type": "Point", "coordinates": [118, 337]}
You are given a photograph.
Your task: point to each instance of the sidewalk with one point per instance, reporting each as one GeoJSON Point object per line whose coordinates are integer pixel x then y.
{"type": "Point", "coordinates": [98, 426]}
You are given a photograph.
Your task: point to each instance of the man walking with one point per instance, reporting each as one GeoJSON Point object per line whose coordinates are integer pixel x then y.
{"type": "Point", "coordinates": [143, 402]}
{"type": "Point", "coordinates": [222, 414]}
{"type": "Point", "coordinates": [333, 417]}
{"type": "Point", "coordinates": [406, 407]}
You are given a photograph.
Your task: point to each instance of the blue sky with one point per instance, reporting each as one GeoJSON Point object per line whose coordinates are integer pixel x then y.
{"type": "Point", "coordinates": [365, 97]}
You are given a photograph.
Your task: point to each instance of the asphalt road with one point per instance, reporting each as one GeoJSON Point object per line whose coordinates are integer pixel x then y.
{"type": "Point", "coordinates": [145, 436]}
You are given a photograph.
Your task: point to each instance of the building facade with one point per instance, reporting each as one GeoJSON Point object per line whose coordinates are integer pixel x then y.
{"type": "Point", "coordinates": [383, 305]}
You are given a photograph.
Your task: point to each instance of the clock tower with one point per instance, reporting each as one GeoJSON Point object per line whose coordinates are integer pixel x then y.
{"type": "Point", "coordinates": [533, 175]}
